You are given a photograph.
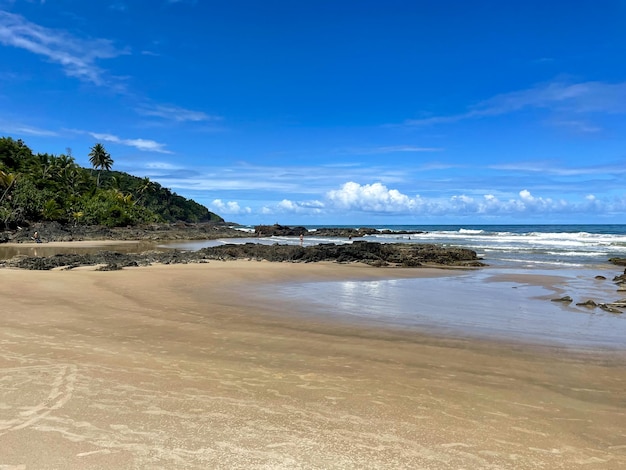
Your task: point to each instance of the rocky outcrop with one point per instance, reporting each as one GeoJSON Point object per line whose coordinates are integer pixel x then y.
{"type": "Point", "coordinates": [278, 230]}
{"type": "Point", "coordinates": [375, 254]}
{"type": "Point", "coordinates": [344, 232]}
{"type": "Point", "coordinates": [382, 254]}
{"type": "Point", "coordinates": [621, 279]}
{"type": "Point", "coordinates": [54, 231]}
{"type": "Point", "coordinates": [611, 307]}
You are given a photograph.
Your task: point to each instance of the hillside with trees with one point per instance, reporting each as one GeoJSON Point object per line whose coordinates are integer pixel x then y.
{"type": "Point", "coordinates": [43, 187]}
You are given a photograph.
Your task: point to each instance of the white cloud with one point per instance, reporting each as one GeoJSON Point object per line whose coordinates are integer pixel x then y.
{"type": "Point", "coordinates": [287, 205]}
{"type": "Point", "coordinates": [577, 126]}
{"type": "Point", "coordinates": [489, 204]}
{"type": "Point", "coordinates": [230, 207]}
{"type": "Point", "coordinates": [392, 149]}
{"type": "Point", "coordinates": [576, 98]}
{"type": "Point", "coordinates": [162, 166]}
{"type": "Point", "coordinates": [554, 168]}
{"type": "Point", "coordinates": [140, 144]}
{"type": "Point", "coordinates": [300, 207]}
{"type": "Point", "coordinates": [377, 198]}
{"type": "Point", "coordinates": [374, 197]}
{"type": "Point", "coordinates": [21, 129]}
{"type": "Point", "coordinates": [77, 56]}
{"type": "Point", "coordinates": [176, 113]}
{"type": "Point", "coordinates": [118, 6]}
{"type": "Point", "coordinates": [525, 194]}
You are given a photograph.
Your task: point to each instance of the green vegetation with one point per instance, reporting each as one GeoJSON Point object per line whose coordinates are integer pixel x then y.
{"type": "Point", "coordinates": [54, 188]}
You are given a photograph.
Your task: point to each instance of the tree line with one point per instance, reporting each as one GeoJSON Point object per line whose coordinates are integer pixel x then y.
{"type": "Point", "coordinates": [45, 187]}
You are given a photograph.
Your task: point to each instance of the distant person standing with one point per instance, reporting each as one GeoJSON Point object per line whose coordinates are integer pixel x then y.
{"type": "Point", "coordinates": [37, 237]}
{"type": "Point", "coordinates": [301, 239]}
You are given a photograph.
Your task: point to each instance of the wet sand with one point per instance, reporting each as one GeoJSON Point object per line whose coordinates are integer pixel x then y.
{"type": "Point", "coordinates": [182, 367]}
{"type": "Point", "coordinates": [9, 250]}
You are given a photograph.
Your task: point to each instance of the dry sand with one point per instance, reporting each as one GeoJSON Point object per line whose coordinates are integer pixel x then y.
{"type": "Point", "coordinates": [181, 367]}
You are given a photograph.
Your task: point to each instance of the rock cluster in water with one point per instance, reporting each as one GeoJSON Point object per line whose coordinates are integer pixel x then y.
{"type": "Point", "coordinates": [278, 230]}
{"type": "Point", "coordinates": [374, 254]}
{"type": "Point", "coordinates": [612, 307]}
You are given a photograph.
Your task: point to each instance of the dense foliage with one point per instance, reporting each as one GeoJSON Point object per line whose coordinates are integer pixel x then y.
{"type": "Point", "coordinates": [54, 188]}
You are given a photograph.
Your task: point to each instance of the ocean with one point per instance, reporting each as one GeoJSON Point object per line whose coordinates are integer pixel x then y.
{"type": "Point", "coordinates": [510, 299]}
{"type": "Point", "coordinates": [516, 246]}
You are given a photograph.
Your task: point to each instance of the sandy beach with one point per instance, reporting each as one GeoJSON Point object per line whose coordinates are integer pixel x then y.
{"type": "Point", "coordinates": [183, 367]}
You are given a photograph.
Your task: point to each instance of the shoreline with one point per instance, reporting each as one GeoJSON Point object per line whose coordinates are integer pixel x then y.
{"type": "Point", "coordinates": [552, 280]}
{"type": "Point", "coordinates": [182, 366]}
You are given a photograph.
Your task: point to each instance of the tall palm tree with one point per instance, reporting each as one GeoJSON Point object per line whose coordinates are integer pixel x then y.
{"type": "Point", "coordinates": [100, 159]}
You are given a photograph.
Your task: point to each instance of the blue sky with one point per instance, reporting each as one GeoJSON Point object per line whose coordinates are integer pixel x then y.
{"type": "Point", "coordinates": [334, 111]}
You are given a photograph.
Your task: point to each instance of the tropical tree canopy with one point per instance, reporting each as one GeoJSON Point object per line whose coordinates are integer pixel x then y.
{"type": "Point", "coordinates": [41, 187]}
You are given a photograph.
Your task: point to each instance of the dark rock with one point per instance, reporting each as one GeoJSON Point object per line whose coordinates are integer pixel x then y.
{"type": "Point", "coordinates": [588, 303]}
{"type": "Point", "coordinates": [54, 231]}
{"type": "Point", "coordinates": [566, 298]}
{"type": "Point", "coordinates": [609, 308]}
{"type": "Point", "coordinates": [277, 230]}
{"type": "Point", "coordinates": [375, 254]}
{"type": "Point", "coordinates": [600, 278]}
{"type": "Point", "coordinates": [338, 232]}
{"type": "Point", "coordinates": [345, 232]}
{"type": "Point", "coordinates": [618, 261]}
{"type": "Point", "coordinates": [620, 279]}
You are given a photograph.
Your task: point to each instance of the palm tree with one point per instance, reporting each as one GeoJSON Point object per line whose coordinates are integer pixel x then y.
{"type": "Point", "coordinates": [100, 159]}
{"type": "Point", "coordinates": [7, 180]}
{"type": "Point", "coordinates": [145, 187]}
{"type": "Point", "coordinates": [45, 166]}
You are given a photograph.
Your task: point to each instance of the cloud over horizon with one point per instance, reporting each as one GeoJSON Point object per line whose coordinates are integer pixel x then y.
{"type": "Point", "coordinates": [377, 198]}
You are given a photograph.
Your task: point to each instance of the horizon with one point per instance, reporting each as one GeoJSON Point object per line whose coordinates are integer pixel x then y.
{"type": "Point", "coordinates": [334, 113]}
